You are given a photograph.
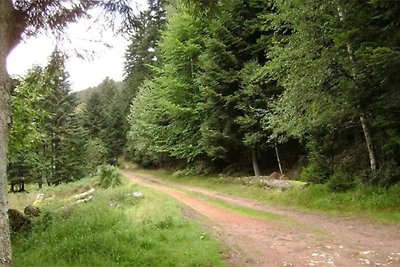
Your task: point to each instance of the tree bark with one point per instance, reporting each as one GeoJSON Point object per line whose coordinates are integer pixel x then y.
{"type": "Point", "coordinates": [278, 159]}
{"type": "Point", "coordinates": [370, 145]}
{"type": "Point", "coordinates": [256, 167]}
{"type": "Point", "coordinates": [12, 25]}
{"type": "Point", "coordinates": [5, 245]}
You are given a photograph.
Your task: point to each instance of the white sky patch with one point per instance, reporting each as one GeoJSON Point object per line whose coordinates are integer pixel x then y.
{"type": "Point", "coordinates": [103, 52]}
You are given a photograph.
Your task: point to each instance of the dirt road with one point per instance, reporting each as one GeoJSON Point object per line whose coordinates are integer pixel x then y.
{"type": "Point", "coordinates": [297, 239]}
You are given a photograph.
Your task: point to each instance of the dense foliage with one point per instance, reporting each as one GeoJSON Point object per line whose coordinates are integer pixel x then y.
{"type": "Point", "coordinates": [45, 141]}
{"type": "Point", "coordinates": [229, 86]}
{"type": "Point", "coordinates": [53, 138]}
{"type": "Point", "coordinates": [240, 80]}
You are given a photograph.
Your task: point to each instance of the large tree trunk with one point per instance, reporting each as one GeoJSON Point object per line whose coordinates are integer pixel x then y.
{"type": "Point", "coordinates": [256, 167]}
{"type": "Point", "coordinates": [12, 25]}
{"type": "Point", "coordinates": [5, 246]}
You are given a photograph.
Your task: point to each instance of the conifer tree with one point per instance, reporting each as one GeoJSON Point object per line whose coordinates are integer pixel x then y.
{"type": "Point", "coordinates": [60, 105]}
{"type": "Point", "coordinates": [103, 117]}
{"type": "Point", "coordinates": [142, 52]}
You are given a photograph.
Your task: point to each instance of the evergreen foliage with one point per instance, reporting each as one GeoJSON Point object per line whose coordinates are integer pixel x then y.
{"type": "Point", "coordinates": [142, 53]}
{"type": "Point", "coordinates": [250, 75]}
{"type": "Point", "coordinates": [96, 154]}
{"type": "Point", "coordinates": [46, 136]}
{"type": "Point", "coordinates": [219, 85]}
{"type": "Point", "coordinates": [103, 118]}
{"type": "Point", "coordinates": [108, 176]}
{"type": "Point", "coordinates": [60, 105]}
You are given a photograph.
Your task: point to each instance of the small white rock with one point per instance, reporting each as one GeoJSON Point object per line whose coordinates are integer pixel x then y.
{"type": "Point", "coordinates": [137, 194]}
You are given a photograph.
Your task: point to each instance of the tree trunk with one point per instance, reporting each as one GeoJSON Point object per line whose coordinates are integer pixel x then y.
{"type": "Point", "coordinates": [5, 245]}
{"type": "Point", "coordinates": [256, 167]}
{"type": "Point", "coordinates": [12, 24]}
{"type": "Point", "coordinates": [370, 146]}
{"type": "Point", "coordinates": [278, 158]}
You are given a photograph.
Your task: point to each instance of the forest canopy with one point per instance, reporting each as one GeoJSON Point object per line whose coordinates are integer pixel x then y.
{"type": "Point", "coordinates": [232, 87]}
{"type": "Point", "coordinates": [244, 80]}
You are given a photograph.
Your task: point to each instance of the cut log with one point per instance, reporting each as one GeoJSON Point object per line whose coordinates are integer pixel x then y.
{"type": "Point", "coordinates": [283, 184]}
{"type": "Point", "coordinates": [84, 200]}
{"type": "Point", "coordinates": [278, 184]}
{"type": "Point", "coordinates": [84, 194]}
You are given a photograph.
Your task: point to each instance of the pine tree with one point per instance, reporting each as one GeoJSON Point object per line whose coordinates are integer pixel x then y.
{"type": "Point", "coordinates": [112, 132]}
{"type": "Point", "coordinates": [142, 52]}
{"type": "Point", "coordinates": [235, 88]}
{"type": "Point", "coordinates": [76, 139]}
{"type": "Point", "coordinates": [60, 105]}
{"type": "Point", "coordinates": [164, 118]}
{"type": "Point", "coordinates": [103, 117]}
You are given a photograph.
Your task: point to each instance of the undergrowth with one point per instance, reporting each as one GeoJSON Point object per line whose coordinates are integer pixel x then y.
{"type": "Point", "coordinates": [114, 229]}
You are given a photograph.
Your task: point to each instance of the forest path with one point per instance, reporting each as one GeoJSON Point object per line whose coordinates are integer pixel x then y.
{"type": "Point", "coordinates": [292, 238]}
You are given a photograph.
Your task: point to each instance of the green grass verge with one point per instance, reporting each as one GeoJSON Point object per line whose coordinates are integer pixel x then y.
{"type": "Point", "coordinates": [115, 229]}
{"type": "Point", "coordinates": [382, 205]}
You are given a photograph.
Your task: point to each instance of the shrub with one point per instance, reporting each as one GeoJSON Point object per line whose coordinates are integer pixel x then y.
{"type": "Point", "coordinates": [108, 176]}
{"type": "Point", "coordinates": [341, 182]}
{"type": "Point", "coordinates": [388, 174]}
{"type": "Point", "coordinates": [96, 154]}
{"type": "Point", "coordinates": [315, 173]}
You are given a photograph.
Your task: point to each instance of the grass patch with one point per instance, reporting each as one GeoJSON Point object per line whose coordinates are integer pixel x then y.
{"type": "Point", "coordinates": [382, 205]}
{"type": "Point", "coordinates": [52, 193]}
{"type": "Point", "coordinates": [114, 229]}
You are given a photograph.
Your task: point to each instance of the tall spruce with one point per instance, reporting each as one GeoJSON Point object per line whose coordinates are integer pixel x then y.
{"type": "Point", "coordinates": [142, 52]}
{"type": "Point", "coordinates": [60, 105]}
{"type": "Point", "coordinates": [103, 117]}
{"type": "Point", "coordinates": [164, 118]}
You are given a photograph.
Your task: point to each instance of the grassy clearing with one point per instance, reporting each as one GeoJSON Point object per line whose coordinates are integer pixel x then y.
{"type": "Point", "coordinates": [114, 229]}
{"type": "Point", "coordinates": [370, 202]}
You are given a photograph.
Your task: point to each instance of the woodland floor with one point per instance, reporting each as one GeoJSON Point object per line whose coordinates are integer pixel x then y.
{"type": "Point", "coordinates": [289, 238]}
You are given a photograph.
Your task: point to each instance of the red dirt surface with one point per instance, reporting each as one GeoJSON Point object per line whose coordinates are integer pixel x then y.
{"type": "Point", "coordinates": [299, 239]}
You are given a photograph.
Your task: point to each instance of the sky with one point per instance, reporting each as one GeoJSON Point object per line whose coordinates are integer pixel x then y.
{"type": "Point", "coordinates": [105, 56]}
